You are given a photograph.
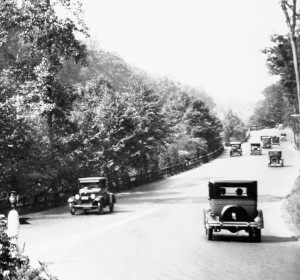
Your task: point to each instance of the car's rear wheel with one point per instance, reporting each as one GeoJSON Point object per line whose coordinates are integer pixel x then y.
{"type": "Point", "coordinates": [100, 208]}
{"type": "Point", "coordinates": [257, 234]}
{"type": "Point", "coordinates": [234, 213]}
{"type": "Point", "coordinates": [209, 233]}
{"type": "Point", "coordinates": [251, 234]}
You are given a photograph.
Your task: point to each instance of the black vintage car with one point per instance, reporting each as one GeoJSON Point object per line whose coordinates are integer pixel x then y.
{"type": "Point", "coordinates": [255, 149]}
{"type": "Point", "coordinates": [266, 142]}
{"type": "Point", "coordinates": [275, 140]}
{"type": "Point", "coordinates": [236, 149]}
{"type": "Point", "coordinates": [93, 195]}
{"type": "Point", "coordinates": [233, 207]}
{"type": "Point", "coordinates": [275, 158]}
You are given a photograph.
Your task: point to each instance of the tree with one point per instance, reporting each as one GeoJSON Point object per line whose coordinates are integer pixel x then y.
{"type": "Point", "coordinates": [233, 126]}
{"type": "Point", "coordinates": [289, 8]}
{"type": "Point", "coordinates": [272, 109]}
{"type": "Point", "coordinates": [201, 123]}
{"type": "Point", "coordinates": [46, 43]}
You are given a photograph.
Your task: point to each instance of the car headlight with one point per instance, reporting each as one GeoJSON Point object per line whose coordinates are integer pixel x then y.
{"type": "Point", "coordinates": [93, 196]}
{"type": "Point", "coordinates": [77, 196]}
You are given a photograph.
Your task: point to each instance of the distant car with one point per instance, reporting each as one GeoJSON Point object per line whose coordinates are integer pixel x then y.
{"type": "Point", "coordinates": [233, 207]}
{"type": "Point", "coordinates": [236, 148]}
{"type": "Point", "coordinates": [275, 140]}
{"type": "Point", "coordinates": [275, 158]}
{"type": "Point", "coordinates": [266, 142]}
{"type": "Point", "coordinates": [93, 195]}
{"type": "Point", "coordinates": [255, 149]}
{"type": "Point", "coordinates": [283, 136]}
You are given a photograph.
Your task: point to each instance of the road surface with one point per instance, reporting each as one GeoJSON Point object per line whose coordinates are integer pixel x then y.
{"type": "Point", "coordinates": [156, 231]}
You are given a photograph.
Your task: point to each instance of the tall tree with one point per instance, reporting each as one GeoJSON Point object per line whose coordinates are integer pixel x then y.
{"type": "Point", "coordinates": [46, 43]}
{"type": "Point", "coordinates": [289, 8]}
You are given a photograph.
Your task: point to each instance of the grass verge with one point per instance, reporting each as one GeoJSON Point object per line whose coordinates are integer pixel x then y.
{"type": "Point", "coordinates": [291, 208]}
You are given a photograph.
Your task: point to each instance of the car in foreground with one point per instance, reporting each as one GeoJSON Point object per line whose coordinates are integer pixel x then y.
{"type": "Point", "coordinates": [235, 149]}
{"type": "Point", "coordinates": [266, 142]}
{"type": "Point", "coordinates": [275, 158]}
{"type": "Point", "coordinates": [255, 149]}
{"type": "Point", "coordinates": [93, 195]}
{"type": "Point", "coordinates": [233, 207]}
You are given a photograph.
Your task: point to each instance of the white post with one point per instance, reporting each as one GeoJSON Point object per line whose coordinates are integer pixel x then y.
{"type": "Point", "coordinates": [13, 222]}
{"type": "Point", "coordinates": [13, 226]}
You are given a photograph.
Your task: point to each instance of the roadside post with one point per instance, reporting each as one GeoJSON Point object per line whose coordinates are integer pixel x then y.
{"type": "Point", "coordinates": [13, 222]}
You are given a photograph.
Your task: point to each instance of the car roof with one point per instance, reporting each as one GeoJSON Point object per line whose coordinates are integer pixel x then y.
{"type": "Point", "coordinates": [231, 181]}
{"type": "Point", "coordinates": [91, 179]}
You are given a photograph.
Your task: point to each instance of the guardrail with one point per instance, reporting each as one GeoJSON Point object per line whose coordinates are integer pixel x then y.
{"type": "Point", "coordinates": [45, 201]}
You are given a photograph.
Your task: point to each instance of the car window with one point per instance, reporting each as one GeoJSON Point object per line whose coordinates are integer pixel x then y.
{"type": "Point", "coordinates": [234, 191]}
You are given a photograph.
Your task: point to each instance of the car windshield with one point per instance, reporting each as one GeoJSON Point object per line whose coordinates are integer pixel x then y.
{"type": "Point", "coordinates": [91, 187]}
{"type": "Point", "coordinates": [275, 153]}
{"type": "Point", "coordinates": [236, 146]}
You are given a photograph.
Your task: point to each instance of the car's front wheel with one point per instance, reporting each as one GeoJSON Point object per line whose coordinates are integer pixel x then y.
{"type": "Point", "coordinates": [72, 209]}
{"type": "Point", "coordinates": [100, 208]}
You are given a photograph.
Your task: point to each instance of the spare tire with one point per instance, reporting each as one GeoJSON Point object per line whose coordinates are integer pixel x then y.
{"type": "Point", "coordinates": [234, 213]}
{"type": "Point", "coordinates": [274, 160]}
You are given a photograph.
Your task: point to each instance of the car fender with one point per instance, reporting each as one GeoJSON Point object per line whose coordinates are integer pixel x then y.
{"type": "Point", "coordinates": [99, 198]}
{"type": "Point", "coordinates": [259, 218]}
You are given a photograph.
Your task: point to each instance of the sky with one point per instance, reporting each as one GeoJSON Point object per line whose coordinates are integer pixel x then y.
{"type": "Point", "coordinates": [214, 45]}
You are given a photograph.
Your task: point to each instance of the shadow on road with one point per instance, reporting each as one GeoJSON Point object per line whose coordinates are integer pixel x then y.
{"type": "Point", "coordinates": [246, 239]}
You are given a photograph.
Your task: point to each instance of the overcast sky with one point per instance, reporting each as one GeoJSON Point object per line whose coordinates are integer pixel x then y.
{"type": "Point", "coordinates": [212, 44]}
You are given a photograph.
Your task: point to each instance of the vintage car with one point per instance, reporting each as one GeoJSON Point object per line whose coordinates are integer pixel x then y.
{"type": "Point", "coordinates": [93, 195]}
{"type": "Point", "coordinates": [266, 142]}
{"type": "Point", "coordinates": [236, 148]}
{"type": "Point", "coordinates": [275, 158]}
{"type": "Point", "coordinates": [233, 207]}
{"type": "Point", "coordinates": [255, 149]}
{"type": "Point", "coordinates": [275, 140]}
{"type": "Point", "coordinates": [283, 136]}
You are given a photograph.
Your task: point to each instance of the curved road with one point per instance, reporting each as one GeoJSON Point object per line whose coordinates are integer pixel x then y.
{"type": "Point", "coordinates": [156, 231]}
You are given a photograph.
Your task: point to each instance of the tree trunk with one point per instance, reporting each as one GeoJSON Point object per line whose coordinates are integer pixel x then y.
{"type": "Point", "coordinates": [291, 22]}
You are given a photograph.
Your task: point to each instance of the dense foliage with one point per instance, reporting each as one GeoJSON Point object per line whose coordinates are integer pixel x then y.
{"type": "Point", "coordinates": [234, 128]}
{"type": "Point", "coordinates": [14, 265]}
{"type": "Point", "coordinates": [69, 109]}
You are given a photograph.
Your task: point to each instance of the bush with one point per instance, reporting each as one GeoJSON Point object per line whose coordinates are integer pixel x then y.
{"type": "Point", "coordinates": [15, 266]}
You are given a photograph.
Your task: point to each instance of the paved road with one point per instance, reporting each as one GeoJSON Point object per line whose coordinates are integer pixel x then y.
{"type": "Point", "coordinates": [157, 230]}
